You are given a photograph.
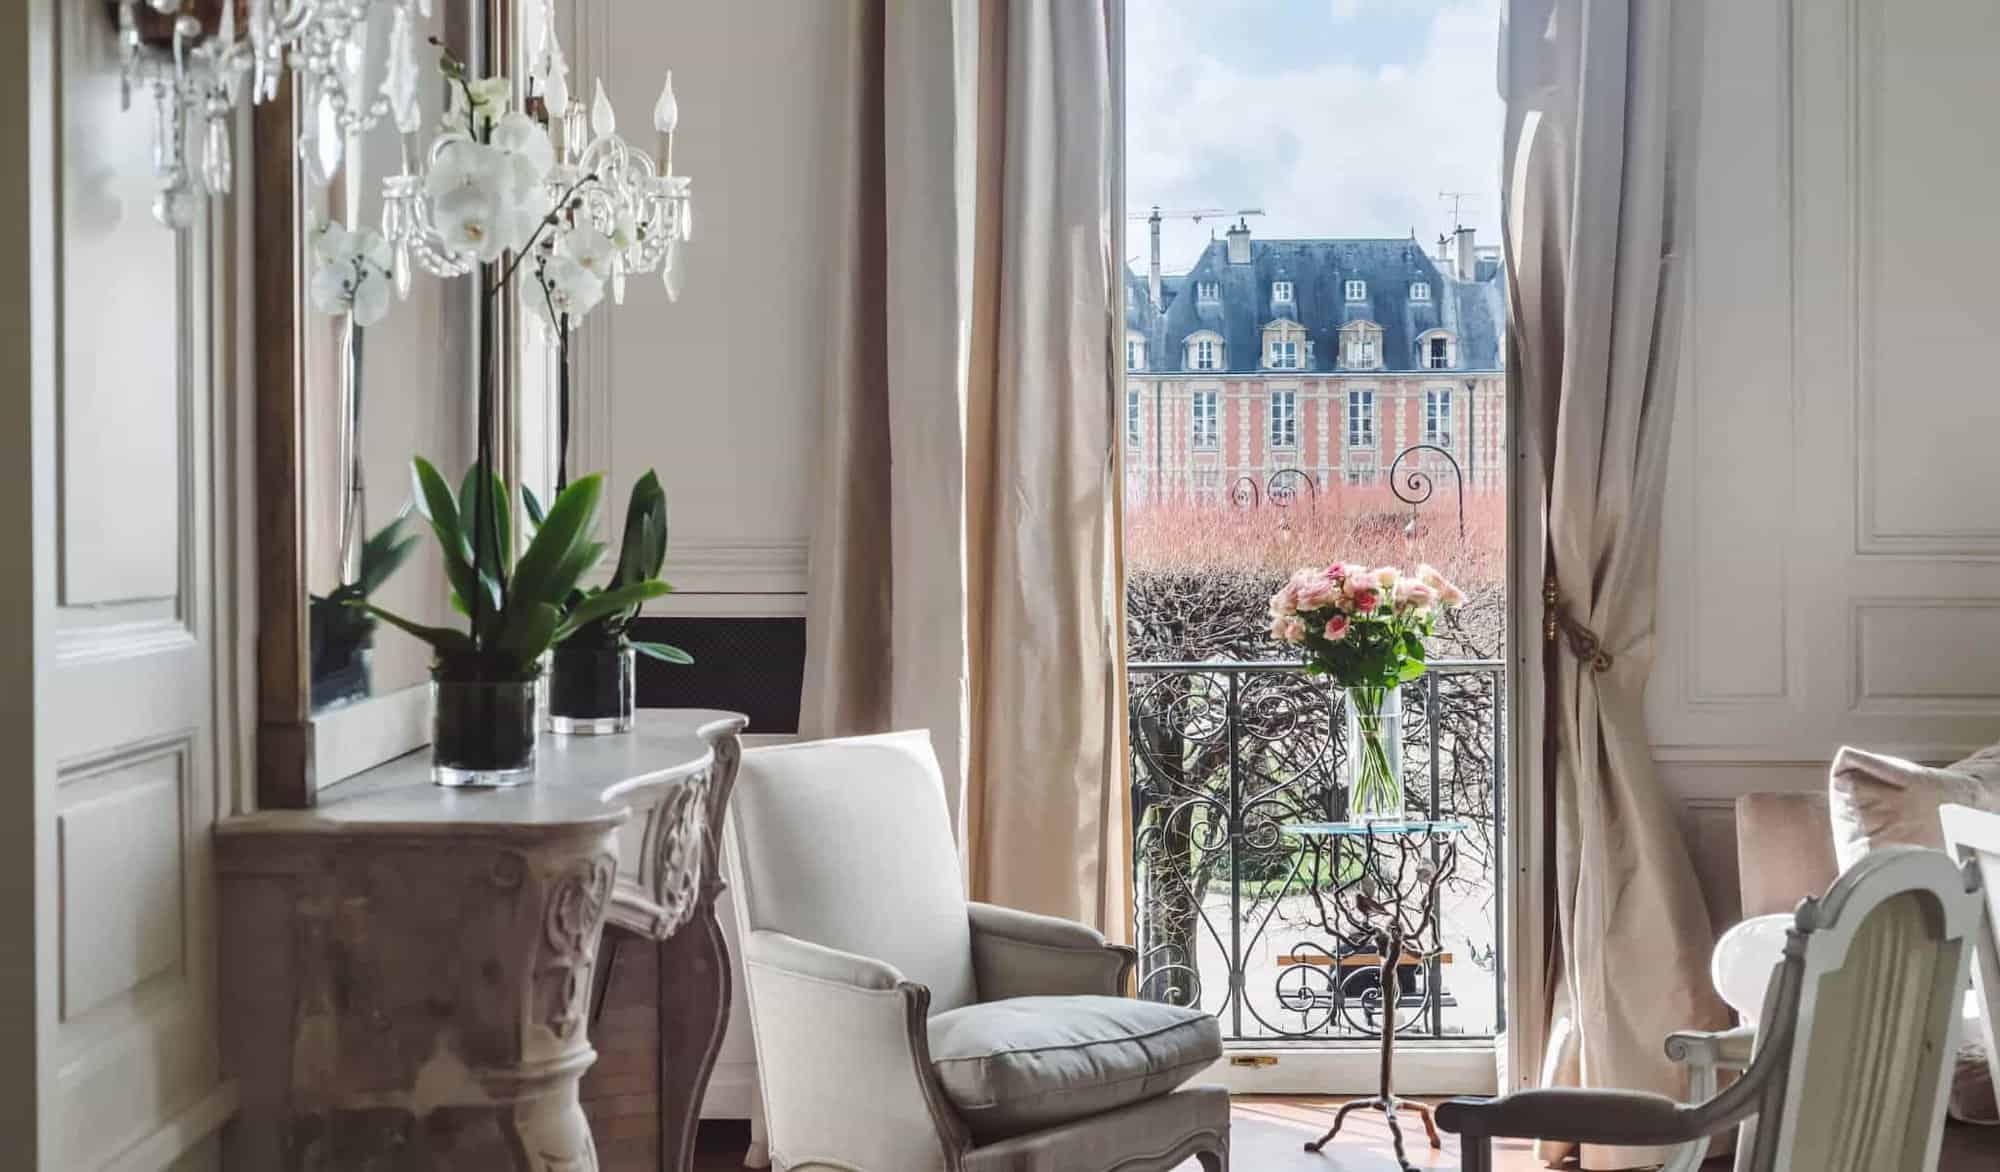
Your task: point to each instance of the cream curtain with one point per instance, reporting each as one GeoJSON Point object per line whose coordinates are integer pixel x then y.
{"type": "Point", "coordinates": [1597, 119]}
{"type": "Point", "coordinates": [961, 568]}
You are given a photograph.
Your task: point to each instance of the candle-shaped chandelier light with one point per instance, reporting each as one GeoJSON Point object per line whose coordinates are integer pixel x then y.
{"type": "Point", "coordinates": [597, 179]}
{"type": "Point", "coordinates": [202, 76]}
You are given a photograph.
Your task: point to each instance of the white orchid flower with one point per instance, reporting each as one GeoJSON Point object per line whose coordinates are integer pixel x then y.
{"type": "Point", "coordinates": [591, 250]}
{"type": "Point", "coordinates": [472, 222]}
{"type": "Point", "coordinates": [461, 163]}
{"type": "Point", "coordinates": [329, 242]}
{"type": "Point", "coordinates": [522, 137]}
{"type": "Point", "coordinates": [489, 95]}
{"type": "Point", "coordinates": [351, 273]}
{"type": "Point", "coordinates": [485, 200]}
{"type": "Point", "coordinates": [488, 98]}
{"type": "Point", "coordinates": [563, 288]}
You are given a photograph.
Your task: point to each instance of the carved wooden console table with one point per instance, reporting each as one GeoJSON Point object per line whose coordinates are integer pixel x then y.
{"type": "Point", "coordinates": [408, 970]}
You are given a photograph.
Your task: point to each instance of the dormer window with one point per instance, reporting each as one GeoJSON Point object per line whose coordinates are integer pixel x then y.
{"type": "Point", "coordinates": [1208, 291]}
{"type": "Point", "coordinates": [1284, 345]}
{"type": "Point", "coordinates": [1281, 292]}
{"type": "Point", "coordinates": [1437, 350]}
{"type": "Point", "coordinates": [1135, 352]}
{"type": "Point", "coordinates": [1357, 290]}
{"type": "Point", "coordinates": [1204, 352]}
{"type": "Point", "coordinates": [1420, 291]}
{"type": "Point", "coordinates": [1361, 346]}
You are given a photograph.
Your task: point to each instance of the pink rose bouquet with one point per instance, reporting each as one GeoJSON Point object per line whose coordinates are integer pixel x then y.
{"type": "Point", "coordinates": [1365, 629]}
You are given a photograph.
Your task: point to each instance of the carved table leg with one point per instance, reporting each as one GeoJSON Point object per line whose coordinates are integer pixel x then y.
{"type": "Point", "coordinates": [694, 1011]}
{"type": "Point", "coordinates": [695, 987]}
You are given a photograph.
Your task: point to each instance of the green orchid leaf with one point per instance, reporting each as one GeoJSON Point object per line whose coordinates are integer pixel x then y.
{"type": "Point", "coordinates": [378, 569]}
{"type": "Point", "coordinates": [531, 628]}
{"type": "Point", "coordinates": [562, 584]}
{"type": "Point", "coordinates": [444, 639]}
{"type": "Point", "coordinates": [492, 543]}
{"type": "Point", "coordinates": [609, 602]}
{"type": "Point", "coordinates": [664, 652]}
{"type": "Point", "coordinates": [440, 508]}
{"type": "Point", "coordinates": [567, 526]}
{"type": "Point", "coordinates": [533, 504]}
{"type": "Point", "coordinates": [643, 547]}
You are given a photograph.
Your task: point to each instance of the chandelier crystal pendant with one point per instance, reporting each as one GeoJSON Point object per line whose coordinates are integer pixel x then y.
{"type": "Point", "coordinates": [602, 181]}
{"type": "Point", "coordinates": [201, 76]}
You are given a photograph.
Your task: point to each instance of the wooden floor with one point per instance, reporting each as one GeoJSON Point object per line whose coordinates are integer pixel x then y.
{"type": "Point", "coordinates": [1269, 1133]}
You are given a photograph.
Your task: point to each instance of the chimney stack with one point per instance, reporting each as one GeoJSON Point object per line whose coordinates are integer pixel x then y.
{"type": "Point", "coordinates": [1239, 242]}
{"type": "Point", "coordinates": [1465, 260]}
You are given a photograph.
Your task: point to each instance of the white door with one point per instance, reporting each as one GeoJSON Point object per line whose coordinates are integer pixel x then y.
{"type": "Point", "coordinates": [130, 655]}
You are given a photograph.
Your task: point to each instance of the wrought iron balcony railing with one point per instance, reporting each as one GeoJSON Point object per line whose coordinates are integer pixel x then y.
{"type": "Point", "coordinates": [1238, 917]}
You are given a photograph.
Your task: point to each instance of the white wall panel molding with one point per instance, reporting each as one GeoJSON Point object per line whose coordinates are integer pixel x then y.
{"type": "Point", "coordinates": [1916, 656]}
{"type": "Point", "coordinates": [122, 868]}
{"type": "Point", "coordinates": [1831, 544]}
{"type": "Point", "coordinates": [1918, 316]}
{"type": "Point", "coordinates": [82, 641]}
{"type": "Point", "coordinates": [1728, 670]}
{"type": "Point", "coordinates": [706, 566]}
{"type": "Point", "coordinates": [593, 394]}
{"type": "Point", "coordinates": [721, 391]}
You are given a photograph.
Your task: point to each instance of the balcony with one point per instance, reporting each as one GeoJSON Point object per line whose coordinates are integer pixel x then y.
{"type": "Point", "coordinates": [1238, 917]}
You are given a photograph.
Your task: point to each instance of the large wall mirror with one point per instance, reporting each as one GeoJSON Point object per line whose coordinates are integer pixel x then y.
{"type": "Point", "coordinates": [338, 691]}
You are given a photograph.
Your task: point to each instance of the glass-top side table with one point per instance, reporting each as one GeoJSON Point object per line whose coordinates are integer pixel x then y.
{"type": "Point", "coordinates": [1395, 901]}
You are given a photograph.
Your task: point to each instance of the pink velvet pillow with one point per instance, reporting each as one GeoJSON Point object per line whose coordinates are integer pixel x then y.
{"type": "Point", "coordinates": [1880, 801]}
{"type": "Point", "coordinates": [1877, 801]}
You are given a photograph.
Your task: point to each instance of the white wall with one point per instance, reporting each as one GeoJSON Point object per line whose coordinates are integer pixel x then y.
{"type": "Point", "coordinates": [720, 391]}
{"type": "Point", "coordinates": [1833, 530]}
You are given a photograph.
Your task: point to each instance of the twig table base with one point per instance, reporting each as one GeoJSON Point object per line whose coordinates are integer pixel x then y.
{"type": "Point", "coordinates": [1400, 909]}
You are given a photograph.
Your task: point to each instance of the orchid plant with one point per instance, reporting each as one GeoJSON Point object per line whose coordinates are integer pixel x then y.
{"type": "Point", "coordinates": [1365, 630]}
{"type": "Point", "coordinates": [490, 194]}
{"type": "Point", "coordinates": [496, 198]}
{"type": "Point", "coordinates": [642, 554]}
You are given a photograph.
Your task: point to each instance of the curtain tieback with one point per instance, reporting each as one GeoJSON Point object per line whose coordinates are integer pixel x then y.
{"type": "Point", "coordinates": [1557, 623]}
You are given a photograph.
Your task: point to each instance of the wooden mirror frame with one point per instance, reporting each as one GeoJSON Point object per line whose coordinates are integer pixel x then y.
{"type": "Point", "coordinates": [287, 729]}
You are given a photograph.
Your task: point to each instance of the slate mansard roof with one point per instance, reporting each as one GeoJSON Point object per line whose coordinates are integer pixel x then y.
{"type": "Point", "coordinates": [1473, 311]}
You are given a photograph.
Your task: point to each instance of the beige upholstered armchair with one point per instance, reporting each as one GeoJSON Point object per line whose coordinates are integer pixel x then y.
{"type": "Point", "coordinates": [900, 1028]}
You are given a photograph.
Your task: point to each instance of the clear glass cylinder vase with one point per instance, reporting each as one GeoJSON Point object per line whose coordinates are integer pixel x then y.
{"type": "Point", "coordinates": [1372, 772]}
{"type": "Point", "coordinates": [482, 731]}
{"type": "Point", "coordinates": [592, 690]}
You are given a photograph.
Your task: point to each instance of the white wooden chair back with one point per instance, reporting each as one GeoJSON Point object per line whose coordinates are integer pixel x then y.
{"type": "Point", "coordinates": [1879, 988]}
{"type": "Point", "coordinates": [1974, 836]}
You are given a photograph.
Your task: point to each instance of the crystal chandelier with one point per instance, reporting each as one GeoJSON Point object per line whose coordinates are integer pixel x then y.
{"type": "Point", "coordinates": [322, 41]}
{"type": "Point", "coordinates": [602, 179]}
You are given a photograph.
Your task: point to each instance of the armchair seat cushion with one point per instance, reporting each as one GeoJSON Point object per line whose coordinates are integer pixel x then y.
{"type": "Point", "coordinates": [1028, 1063]}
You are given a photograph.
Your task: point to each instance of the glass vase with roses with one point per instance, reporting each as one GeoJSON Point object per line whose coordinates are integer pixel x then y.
{"type": "Point", "coordinates": [1365, 629]}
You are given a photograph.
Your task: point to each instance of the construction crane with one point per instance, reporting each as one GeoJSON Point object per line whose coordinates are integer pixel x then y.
{"type": "Point", "coordinates": [1197, 215]}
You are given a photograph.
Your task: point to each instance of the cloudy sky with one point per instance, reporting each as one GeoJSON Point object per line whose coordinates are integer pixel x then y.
{"type": "Point", "coordinates": [1337, 117]}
